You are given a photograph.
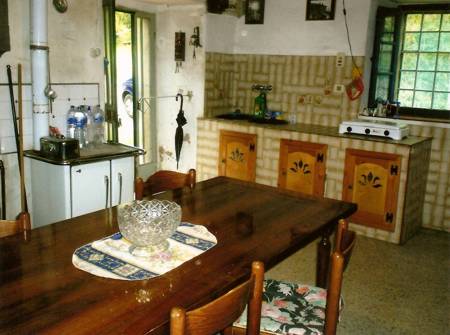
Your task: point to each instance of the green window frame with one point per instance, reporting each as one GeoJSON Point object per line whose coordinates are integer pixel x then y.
{"type": "Point", "coordinates": [411, 60]}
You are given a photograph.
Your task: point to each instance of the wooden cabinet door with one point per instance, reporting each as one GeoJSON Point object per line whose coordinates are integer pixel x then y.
{"type": "Point", "coordinates": [237, 156]}
{"type": "Point", "coordinates": [302, 166]}
{"type": "Point", "coordinates": [371, 179]}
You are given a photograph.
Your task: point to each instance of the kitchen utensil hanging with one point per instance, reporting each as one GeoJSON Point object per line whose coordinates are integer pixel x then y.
{"type": "Point", "coordinates": [195, 40]}
{"type": "Point", "coordinates": [181, 121]}
{"type": "Point", "coordinates": [180, 50]}
{"type": "Point", "coordinates": [3, 186]}
{"type": "Point", "coordinates": [60, 5]}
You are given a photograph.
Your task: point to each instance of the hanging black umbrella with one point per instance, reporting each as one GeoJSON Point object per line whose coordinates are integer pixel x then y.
{"type": "Point", "coordinates": [181, 121]}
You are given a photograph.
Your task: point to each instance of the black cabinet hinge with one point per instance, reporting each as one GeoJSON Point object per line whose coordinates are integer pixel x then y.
{"type": "Point", "coordinates": [389, 217]}
{"type": "Point", "coordinates": [394, 170]}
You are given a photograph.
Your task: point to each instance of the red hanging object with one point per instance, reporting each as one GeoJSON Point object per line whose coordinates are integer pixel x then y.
{"type": "Point", "coordinates": [355, 88]}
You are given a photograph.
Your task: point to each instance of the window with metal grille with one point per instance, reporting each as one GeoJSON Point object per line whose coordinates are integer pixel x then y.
{"type": "Point", "coordinates": [411, 62]}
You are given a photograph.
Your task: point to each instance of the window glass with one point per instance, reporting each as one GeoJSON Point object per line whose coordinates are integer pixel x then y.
{"type": "Point", "coordinates": [429, 42]}
{"type": "Point", "coordinates": [406, 97]}
{"type": "Point", "coordinates": [422, 99]}
{"type": "Point", "coordinates": [389, 24]}
{"type": "Point", "coordinates": [413, 22]}
{"type": "Point", "coordinates": [382, 87]}
{"type": "Point", "coordinates": [407, 79]}
{"type": "Point", "coordinates": [431, 22]}
{"type": "Point", "coordinates": [427, 61]}
{"type": "Point", "coordinates": [409, 61]}
{"type": "Point", "coordinates": [442, 81]}
{"type": "Point", "coordinates": [444, 43]}
{"type": "Point", "coordinates": [411, 42]}
{"type": "Point", "coordinates": [424, 81]}
{"type": "Point", "coordinates": [445, 22]}
{"type": "Point", "coordinates": [441, 101]}
{"type": "Point", "coordinates": [443, 62]}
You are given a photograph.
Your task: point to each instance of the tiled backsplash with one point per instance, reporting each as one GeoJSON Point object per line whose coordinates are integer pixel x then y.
{"type": "Point", "coordinates": [302, 85]}
{"type": "Point", "coordinates": [68, 94]}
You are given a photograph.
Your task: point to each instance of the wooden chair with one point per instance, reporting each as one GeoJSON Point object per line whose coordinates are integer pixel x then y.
{"type": "Point", "coordinates": [312, 309]}
{"type": "Point", "coordinates": [11, 227]}
{"type": "Point", "coordinates": [223, 311]}
{"type": "Point", "coordinates": [162, 181]}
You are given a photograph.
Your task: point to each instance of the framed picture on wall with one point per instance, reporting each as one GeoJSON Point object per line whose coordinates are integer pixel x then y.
{"type": "Point", "coordinates": [254, 12]}
{"type": "Point", "coordinates": [320, 9]}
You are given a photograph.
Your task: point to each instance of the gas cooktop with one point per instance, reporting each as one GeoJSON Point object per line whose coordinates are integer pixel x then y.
{"type": "Point", "coordinates": [389, 129]}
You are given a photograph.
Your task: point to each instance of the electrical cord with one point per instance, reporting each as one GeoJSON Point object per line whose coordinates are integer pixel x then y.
{"type": "Point", "coordinates": [344, 11]}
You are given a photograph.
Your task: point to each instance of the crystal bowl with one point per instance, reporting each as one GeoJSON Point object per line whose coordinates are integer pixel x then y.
{"type": "Point", "coordinates": [148, 223]}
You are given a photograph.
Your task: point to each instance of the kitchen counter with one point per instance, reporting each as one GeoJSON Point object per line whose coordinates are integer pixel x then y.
{"type": "Point", "coordinates": [88, 155]}
{"type": "Point", "coordinates": [321, 130]}
{"type": "Point", "coordinates": [413, 153]}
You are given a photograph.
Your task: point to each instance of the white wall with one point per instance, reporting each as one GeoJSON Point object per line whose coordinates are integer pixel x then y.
{"type": "Point", "coordinates": [286, 32]}
{"type": "Point", "coordinates": [72, 36]}
{"type": "Point", "coordinates": [190, 78]}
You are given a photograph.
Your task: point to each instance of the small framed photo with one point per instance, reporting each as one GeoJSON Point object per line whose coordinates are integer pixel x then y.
{"type": "Point", "coordinates": [254, 11]}
{"type": "Point", "coordinates": [320, 9]}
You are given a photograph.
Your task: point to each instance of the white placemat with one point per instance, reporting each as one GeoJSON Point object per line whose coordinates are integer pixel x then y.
{"type": "Point", "coordinates": [111, 256]}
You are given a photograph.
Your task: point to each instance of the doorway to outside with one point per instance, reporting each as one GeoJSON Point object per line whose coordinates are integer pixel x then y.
{"type": "Point", "coordinates": [135, 84]}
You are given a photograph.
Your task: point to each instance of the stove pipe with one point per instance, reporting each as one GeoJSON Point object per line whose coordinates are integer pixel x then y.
{"type": "Point", "coordinates": [39, 70]}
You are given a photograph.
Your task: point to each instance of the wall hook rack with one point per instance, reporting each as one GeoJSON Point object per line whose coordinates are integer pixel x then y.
{"type": "Point", "coordinates": [195, 40]}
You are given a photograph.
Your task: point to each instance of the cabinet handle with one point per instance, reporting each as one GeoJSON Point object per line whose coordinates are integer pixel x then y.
{"type": "Point", "coordinates": [224, 161]}
{"type": "Point", "coordinates": [350, 187]}
{"type": "Point", "coordinates": [120, 187]}
{"type": "Point", "coordinates": [79, 170]}
{"type": "Point", "coordinates": [252, 147]}
{"type": "Point", "coordinates": [107, 191]}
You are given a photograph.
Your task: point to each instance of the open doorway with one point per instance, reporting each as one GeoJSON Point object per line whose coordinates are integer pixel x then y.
{"type": "Point", "coordinates": [135, 84]}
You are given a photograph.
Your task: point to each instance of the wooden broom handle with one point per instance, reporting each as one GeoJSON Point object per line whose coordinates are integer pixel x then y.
{"type": "Point", "coordinates": [20, 153]}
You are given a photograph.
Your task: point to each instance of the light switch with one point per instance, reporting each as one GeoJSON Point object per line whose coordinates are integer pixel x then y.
{"type": "Point", "coordinates": [340, 59]}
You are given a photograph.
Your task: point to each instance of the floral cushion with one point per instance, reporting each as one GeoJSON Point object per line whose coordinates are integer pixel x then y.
{"type": "Point", "coordinates": [290, 308]}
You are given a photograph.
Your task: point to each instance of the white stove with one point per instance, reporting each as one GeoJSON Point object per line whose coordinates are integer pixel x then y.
{"type": "Point", "coordinates": [389, 129]}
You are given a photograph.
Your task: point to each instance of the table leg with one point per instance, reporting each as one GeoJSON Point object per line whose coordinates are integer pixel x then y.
{"type": "Point", "coordinates": [323, 260]}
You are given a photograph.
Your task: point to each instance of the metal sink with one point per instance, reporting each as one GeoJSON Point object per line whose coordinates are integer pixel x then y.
{"type": "Point", "coordinates": [250, 118]}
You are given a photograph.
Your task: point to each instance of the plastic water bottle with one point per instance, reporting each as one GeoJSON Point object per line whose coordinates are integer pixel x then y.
{"type": "Point", "coordinates": [99, 128]}
{"type": "Point", "coordinates": [80, 126]}
{"type": "Point", "coordinates": [70, 133]}
{"type": "Point", "coordinates": [89, 127]}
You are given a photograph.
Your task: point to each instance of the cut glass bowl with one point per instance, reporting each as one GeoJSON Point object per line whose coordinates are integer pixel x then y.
{"type": "Point", "coordinates": [147, 224]}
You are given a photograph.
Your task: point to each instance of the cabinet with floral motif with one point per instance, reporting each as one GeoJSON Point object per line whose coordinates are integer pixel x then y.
{"type": "Point", "coordinates": [371, 179]}
{"type": "Point", "coordinates": [302, 166]}
{"type": "Point", "coordinates": [237, 155]}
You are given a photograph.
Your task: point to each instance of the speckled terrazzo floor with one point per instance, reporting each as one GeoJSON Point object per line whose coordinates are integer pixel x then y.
{"type": "Point", "coordinates": [388, 289]}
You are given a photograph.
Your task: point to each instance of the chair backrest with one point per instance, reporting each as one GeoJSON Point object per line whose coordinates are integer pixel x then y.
{"type": "Point", "coordinates": [11, 227]}
{"type": "Point", "coordinates": [162, 181]}
{"type": "Point", "coordinates": [345, 241]}
{"type": "Point", "coordinates": [223, 311]}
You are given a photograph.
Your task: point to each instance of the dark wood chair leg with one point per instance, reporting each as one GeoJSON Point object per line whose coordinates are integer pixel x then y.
{"type": "Point", "coordinates": [323, 260]}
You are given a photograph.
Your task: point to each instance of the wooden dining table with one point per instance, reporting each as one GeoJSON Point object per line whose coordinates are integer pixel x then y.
{"type": "Point", "coordinates": [42, 292]}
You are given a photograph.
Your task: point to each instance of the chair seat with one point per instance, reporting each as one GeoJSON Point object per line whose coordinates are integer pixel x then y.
{"type": "Point", "coordinates": [291, 308]}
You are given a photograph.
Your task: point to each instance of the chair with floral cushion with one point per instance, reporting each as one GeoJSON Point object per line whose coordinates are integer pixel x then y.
{"type": "Point", "coordinates": [220, 314]}
{"type": "Point", "coordinates": [291, 308]}
{"type": "Point", "coordinates": [162, 181]}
